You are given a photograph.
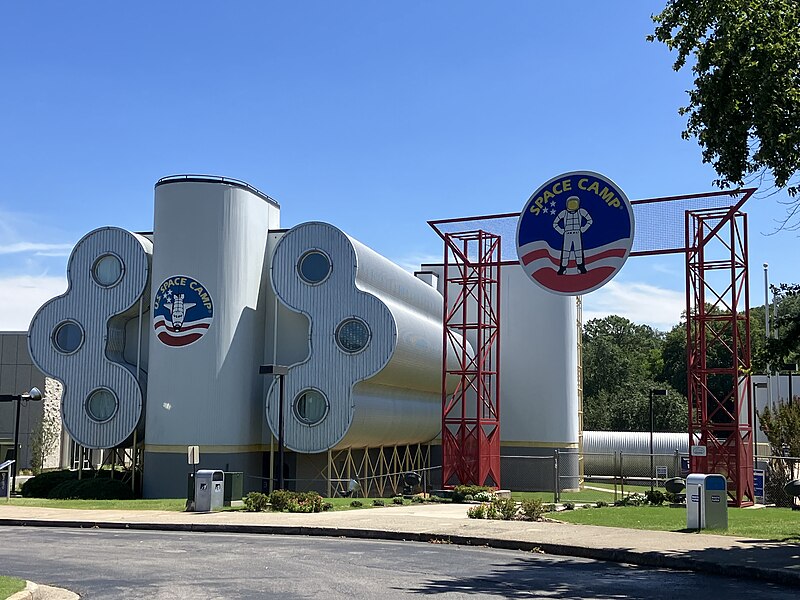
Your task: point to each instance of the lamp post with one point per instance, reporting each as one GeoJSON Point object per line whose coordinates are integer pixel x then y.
{"type": "Point", "coordinates": [757, 385]}
{"type": "Point", "coordinates": [660, 392]}
{"type": "Point", "coordinates": [278, 371]}
{"type": "Point", "coordinates": [33, 394]}
{"type": "Point", "coordinates": [789, 368]}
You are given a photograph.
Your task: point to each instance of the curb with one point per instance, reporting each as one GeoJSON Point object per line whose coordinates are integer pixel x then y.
{"type": "Point", "coordinates": [646, 559]}
{"type": "Point", "coordinates": [31, 592]}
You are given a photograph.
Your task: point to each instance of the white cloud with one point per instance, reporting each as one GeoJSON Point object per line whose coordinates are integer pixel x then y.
{"type": "Point", "coordinates": [39, 249]}
{"type": "Point", "coordinates": [641, 303]}
{"type": "Point", "coordinates": [21, 297]}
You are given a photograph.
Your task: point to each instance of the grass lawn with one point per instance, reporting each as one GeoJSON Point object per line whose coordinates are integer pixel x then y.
{"type": "Point", "coordinates": [766, 523]}
{"type": "Point", "coordinates": [175, 504]}
{"type": "Point", "coordinates": [10, 585]}
{"type": "Point", "coordinates": [605, 493]}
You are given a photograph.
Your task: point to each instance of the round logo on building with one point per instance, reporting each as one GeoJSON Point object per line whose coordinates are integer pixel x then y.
{"type": "Point", "coordinates": [575, 233]}
{"type": "Point", "coordinates": [182, 311]}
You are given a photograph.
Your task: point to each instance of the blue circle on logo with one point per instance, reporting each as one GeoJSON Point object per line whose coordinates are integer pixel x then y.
{"type": "Point", "coordinates": [575, 233]}
{"type": "Point", "coordinates": [182, 311]}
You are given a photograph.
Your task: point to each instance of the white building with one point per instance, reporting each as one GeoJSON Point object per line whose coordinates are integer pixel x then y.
{"type": "Point", "coordinates": [159, 339]}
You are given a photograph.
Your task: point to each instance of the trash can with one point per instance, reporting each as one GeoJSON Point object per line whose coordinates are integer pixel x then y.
{"type": "Point", "coordinates": [706, 501]}
{"type": "Point", "coordinates": [234, 484]}
{"type": "Point", "coordinates": [209, 490]}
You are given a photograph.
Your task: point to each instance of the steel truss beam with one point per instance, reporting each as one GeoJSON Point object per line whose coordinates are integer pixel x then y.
{"type": "Point", "coordinates": [718, 349]}
{"type": "Point", "coordinates": [471, 414]}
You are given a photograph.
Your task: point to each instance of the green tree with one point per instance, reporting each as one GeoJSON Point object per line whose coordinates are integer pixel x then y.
{"type": "Point", "coordinates": [785, 347]}
{"type": "Point", "coordinates": [782, 428]}
{"type": "Point", "coordinates": [622, 362]}
{"type": "Point", "coordinates": [744, 108]}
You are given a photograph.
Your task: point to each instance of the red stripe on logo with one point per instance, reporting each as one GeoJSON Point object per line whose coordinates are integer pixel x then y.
{"type": "Point", "coordinates": [184, 340]}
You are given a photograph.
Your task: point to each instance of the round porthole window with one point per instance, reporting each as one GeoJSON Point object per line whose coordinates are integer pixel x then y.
{"type": "Point", "coordinates": [314, 267]}
{"type": "Point", "coordinates": [68, 337]}
{"type": "Point", "coordinates": [101, 405]}
{"type": "Point", "coordinates": [352, 335]}
{"type": "Point", "coordinates": [107, 270]}
{"type": "Point", "coordinates": [310, 406]}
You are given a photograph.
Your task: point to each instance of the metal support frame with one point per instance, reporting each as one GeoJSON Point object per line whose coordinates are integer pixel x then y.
{"type": "Point", "coordinates": [471, 414]}
{"type": "Point", "coordinates": [378, 471]}
{"type": "Point", "coordinates": [718, 348]}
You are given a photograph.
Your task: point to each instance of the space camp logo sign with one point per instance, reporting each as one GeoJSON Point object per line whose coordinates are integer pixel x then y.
{"type": "Point", "coordinates": [182, 311]}
{"type": "Point", "coordinates": [575, 233]}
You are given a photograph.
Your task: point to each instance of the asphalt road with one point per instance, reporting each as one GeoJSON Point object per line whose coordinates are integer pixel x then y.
{"type": "Point", "coordinates": [160, 565]}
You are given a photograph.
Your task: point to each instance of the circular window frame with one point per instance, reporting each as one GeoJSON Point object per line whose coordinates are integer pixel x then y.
{"type": "Point", "coordinates": [121, 270]}
{"type": "Point", "coordinates": [344, 322]}
{"type": "Point", "coordinates": [54, 336]}
{"type": "Point", "coordinates": [303, 257]}
{"type": "Point", "coordinates": [88, 412]}
{"type": "Point", "coordinates": [302, 419]}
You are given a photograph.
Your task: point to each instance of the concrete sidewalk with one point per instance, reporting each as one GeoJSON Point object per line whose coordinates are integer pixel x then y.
{"type": "Point", "coordinates": [738, 557]}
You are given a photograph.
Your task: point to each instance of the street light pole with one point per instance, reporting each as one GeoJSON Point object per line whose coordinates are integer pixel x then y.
{"type": "Point", "coordinates": [280, 372]}
{"type": "Point", "coordinates": [652, 428]}
{"type": "Point", "coordinates": [33, 394]}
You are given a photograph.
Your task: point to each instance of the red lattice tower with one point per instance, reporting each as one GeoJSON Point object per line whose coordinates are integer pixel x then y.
{"type": "Point", "coordinates": [718, 349]}
{"type": "Point", "coordinates": [471, 414]}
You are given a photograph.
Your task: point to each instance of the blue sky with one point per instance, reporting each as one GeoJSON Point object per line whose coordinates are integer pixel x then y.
{"type": "Point", "coordinates": [374, 116]}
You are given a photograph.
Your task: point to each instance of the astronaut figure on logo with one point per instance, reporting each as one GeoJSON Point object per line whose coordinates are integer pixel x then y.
{"type": "Point", "coordinates": [576, 221]}
{"type": "Point", "coordinates": [178, 308]}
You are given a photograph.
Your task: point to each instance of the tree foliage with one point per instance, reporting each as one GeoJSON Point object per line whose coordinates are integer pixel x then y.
{"type": "Point", "coordinates": [622, 362]}
{"type": "Point", "coordinates": [781, 425]}
{"type": "Point", "coordinates": [744, 108]}
{"type": "Point", "coordinates": [785, 347]}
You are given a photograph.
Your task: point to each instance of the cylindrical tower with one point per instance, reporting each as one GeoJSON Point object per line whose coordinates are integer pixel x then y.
{"type": "Point", "coordinates": [206, 339]}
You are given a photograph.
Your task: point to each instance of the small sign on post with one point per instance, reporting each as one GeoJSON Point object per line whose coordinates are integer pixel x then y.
{"type": "Point", "coordinates": [194, 455]}
{"type": "Point", "coordinates": [661, 472]}
{"type": "Point", "coordinates": [699, 451]}
{"type": "Point", "coordinates": [758, 483]}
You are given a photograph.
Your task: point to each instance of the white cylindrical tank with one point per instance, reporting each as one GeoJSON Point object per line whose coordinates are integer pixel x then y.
{"type": "Point", "coordinates": [206, 340]}
{"type": "Point", "coordinates": [599, 448]}
{"type": "Point", "coordinates": [538, 364]}
{"type": "Point", "coordinates": [373, 373]}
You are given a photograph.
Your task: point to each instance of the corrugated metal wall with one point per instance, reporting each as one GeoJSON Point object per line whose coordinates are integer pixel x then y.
{"type": "Point", "coordinates": [101, 313]}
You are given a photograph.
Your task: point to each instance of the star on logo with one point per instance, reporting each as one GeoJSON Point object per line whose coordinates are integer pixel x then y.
{"type": "Point", "coordinates": [553, 203]}
{"type": "Point", "coordinates": [552, 211]}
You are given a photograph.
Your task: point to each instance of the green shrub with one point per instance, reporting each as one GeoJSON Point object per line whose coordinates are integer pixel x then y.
{"type": "Point", "coordinates": [469, 498]}
{"type": "Point", "coordinates": [399, 499]}
{"type": "Point", "coordinates": [506, 508]}
{"type": "Point", "coordinates": [41, 485]}
{"type": "Point", "coordinates": [256, 502]}
{"type": "Point", "coordinates": [280, 499]}
{"type": "Point", "coordinates": [477, 512]}
{"type": "Point", "coordinates": [631, 500]}
{"type": "Point", "coordinates": [655, 497]}
{"type": "Point", "coordinates": [532, 509]}
{"type": "Point", "coordinates": [435, 499]}
{"type": "Point", "coordinates": [298, 502]}
{"type": "Point", "coordinates": [414, 500]}
{"type": "Point", "coordinates": [93, 488]}
{"type": "Point", "coordinates": [460, 491]}
{"type": "Point", "coordinates": [378, 502]}
{"type": "Point", "coordinates": [484, 496]}
{"type": "Point", "coordinates": [569, 506]}
{"type": "Point", "coordinates": [326, 506]}
{"type": "Point", "coordinates": [601, 504]}
{"type": "Point", "coordinates": [356, 504]}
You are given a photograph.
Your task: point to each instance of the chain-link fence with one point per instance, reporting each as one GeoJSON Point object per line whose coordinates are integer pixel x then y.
{"type": "Point", "coordinates": [772, 473]}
